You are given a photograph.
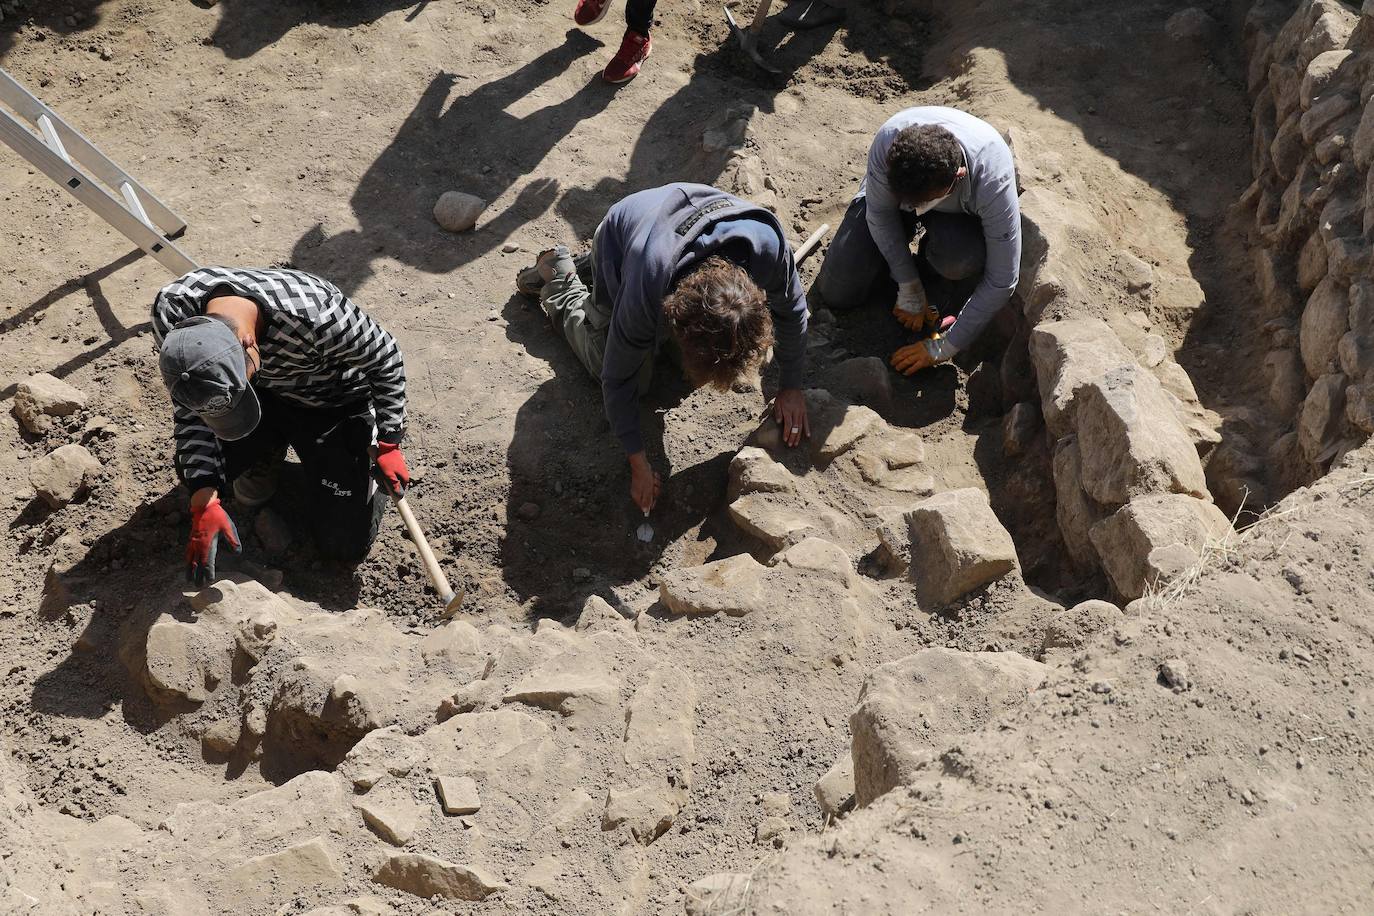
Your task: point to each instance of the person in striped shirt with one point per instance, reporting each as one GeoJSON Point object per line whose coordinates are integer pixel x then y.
{"type": "Point", "coordinates": [258, 360]}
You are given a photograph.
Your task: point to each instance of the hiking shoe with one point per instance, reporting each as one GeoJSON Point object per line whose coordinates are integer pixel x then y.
{"type": "Point", "coordinates": [590, 12]}
{"type": "Point", "coordinates": [258, 484]}
{"type": "Point", "coordinates": [634, 50]}
{"type": "Point", "coordinates": [530, 280]}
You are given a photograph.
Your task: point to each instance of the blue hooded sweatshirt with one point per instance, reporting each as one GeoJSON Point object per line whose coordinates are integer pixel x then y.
{"type": "Point", "coordinates": [647, 241]}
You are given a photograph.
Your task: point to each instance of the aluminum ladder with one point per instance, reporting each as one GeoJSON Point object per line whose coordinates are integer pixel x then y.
{"type": "Point", "coordinates": [60, 151]}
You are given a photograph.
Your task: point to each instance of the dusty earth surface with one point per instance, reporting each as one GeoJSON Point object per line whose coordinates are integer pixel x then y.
{"type": "Point", "coordinates": [1206, 750]}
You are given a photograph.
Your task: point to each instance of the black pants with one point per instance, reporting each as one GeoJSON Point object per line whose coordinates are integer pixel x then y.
{"type": "Point", "coordinates": [855, 271]}
{"type": "Point", "coordinates": [343, 505]}
{"type": "Point", "coordinates": [639, 15]}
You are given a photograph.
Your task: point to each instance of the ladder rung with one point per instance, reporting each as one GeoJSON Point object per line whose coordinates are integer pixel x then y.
{"type": "Point", "coordinates": [51, 138]}
{"type": "Point", "coordinates": [135, 205]}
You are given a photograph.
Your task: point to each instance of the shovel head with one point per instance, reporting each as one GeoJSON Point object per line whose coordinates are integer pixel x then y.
{"type": "Point", "coordinates": [746, 40]}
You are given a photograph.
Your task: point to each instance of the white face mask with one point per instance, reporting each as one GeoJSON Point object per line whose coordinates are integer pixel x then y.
{"type": "Point", "coordinates": [929, 205]}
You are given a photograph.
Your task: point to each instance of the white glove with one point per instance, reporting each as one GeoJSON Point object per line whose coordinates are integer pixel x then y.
{"type": "Point", "coordinates": [911, 297]}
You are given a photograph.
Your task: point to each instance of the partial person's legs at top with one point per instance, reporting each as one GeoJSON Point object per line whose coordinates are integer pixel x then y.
{"type": "Point", "coordinates": [639, 15]}
{"type": "Point", "coordinates": [635, 46]}
{"type": "Point", "coordinates": [569, 301]}
{"type": "Point", "coordinates": [570, 298]}
{"type": "Point", "coordinates": [853, 264]}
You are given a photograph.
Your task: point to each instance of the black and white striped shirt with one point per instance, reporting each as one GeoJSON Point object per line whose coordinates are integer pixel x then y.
{"type": "Point", "coordinates": [318, 349]}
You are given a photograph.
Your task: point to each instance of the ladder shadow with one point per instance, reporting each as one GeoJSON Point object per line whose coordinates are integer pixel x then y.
{"type": "Point", "coordinates": [116, 330]}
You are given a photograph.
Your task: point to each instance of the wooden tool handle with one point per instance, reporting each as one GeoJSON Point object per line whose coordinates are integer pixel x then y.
{"type": "Point", "coordinates": [436, 575]}
{"type": "Point", "coordinates": [808, 247]}
{"type": "Point", "coordinates": [760, 14]}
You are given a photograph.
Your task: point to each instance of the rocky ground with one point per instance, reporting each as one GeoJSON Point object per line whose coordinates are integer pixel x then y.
{"type": "Point", "coordinates": [989, 641]}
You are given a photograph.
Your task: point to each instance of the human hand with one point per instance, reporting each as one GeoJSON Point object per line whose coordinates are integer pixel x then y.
{"type": "Point", "coordinates": [913, 310]}
{"type": "Point", "coordinates": [391, 467]}
{"type": "Point", "coordinates": [645, 484]}
{"type": "Point", "coordinates": [789, 410]}
{"type": "Point", "coordinates": [209, 522]}
{"type": "Point", "coordinates": [922, 355]}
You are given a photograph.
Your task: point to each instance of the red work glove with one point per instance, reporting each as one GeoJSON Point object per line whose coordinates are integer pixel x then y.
{"type": "Point", "coordinates": [208, 524]}
{"type": "Point", "coordinates": [391, 466]}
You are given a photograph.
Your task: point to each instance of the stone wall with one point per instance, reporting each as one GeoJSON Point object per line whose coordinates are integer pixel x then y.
{"type": "Point", "coordinates": [1128, 436]}
{"type": "Point", "coordinates": [1311, 207]}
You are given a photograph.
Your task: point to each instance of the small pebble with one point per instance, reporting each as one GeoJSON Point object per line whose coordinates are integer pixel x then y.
{"type": "Point", "coordinates": [510, 248]}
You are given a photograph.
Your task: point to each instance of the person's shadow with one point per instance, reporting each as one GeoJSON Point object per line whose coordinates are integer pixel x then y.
{"type": "Point", "coordinates": [473, 144]}
{"type": "Point", "coordinates": [247, 26]}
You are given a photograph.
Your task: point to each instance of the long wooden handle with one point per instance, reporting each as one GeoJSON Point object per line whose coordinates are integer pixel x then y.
{"type": "Point", "coordinates": [760, 14]}
{"type": "Point", "coordinates": [436, 575]}
{"type": "Point", "coordinates": [808, 247]}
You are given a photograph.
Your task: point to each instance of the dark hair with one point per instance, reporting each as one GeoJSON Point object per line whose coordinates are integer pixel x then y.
{"type": "Point", "coordinates": [924, 161]}
{"type": "Point", "coordinates": [720, 319]}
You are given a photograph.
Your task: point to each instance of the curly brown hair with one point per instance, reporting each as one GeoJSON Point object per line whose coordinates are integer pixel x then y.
{"type": "Point", "coordinates": [720, 319]}
{"type": "Point", "coordinates": [923, 162]}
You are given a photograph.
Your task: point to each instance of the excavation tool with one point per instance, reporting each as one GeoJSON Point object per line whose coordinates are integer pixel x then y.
{"type": "Point", "coordinates": [452, 601]}
{"type": "Point", "coordinates": [808, 247]}
{"type": "Point", "coordinates": [749, 38]}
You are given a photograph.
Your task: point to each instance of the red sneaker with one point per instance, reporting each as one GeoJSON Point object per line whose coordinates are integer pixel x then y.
{"type": "Point", "coordinates": [634, 50]}
{"type": "Point", "coordinates": [590, 11]}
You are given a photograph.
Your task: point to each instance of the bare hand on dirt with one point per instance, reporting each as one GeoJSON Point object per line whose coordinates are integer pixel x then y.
{"type": "Point", "coordinates": [645, 484]}
{"type": "Point", "coordinates": [789, 410]}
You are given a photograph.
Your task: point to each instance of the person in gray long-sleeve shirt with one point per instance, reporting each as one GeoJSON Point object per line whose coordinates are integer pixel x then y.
{"type": "Point", "coordinates": [688, 262]}
{"type": "Point", "coordinates": [953, 174]}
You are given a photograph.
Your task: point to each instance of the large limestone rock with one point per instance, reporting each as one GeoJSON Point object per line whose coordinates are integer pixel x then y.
{"type": "Point", "coordinates": [1130, 440]}
{"type": "Point", "coordinates": [1155, 538]}
{"type": "Point", "coordinates": [1074, 626]}
{"type": "Point", "coordinates": [1324, 321]}
{"type": "Point", "coordinates": [1067, 355]}
{"type": "Point", "coordinates": [949, 544]}
{"type": "Point", "coordinates": [910, 708]}
{"type": "Point", "coordinates": [773, 523]}
{"type": "Point", "coordinates": [647, 810]}
{"type": "Point", "coordinates": [64, 474]}
{"type": "Point", "coordinates": [40, 397]}
{"type": "Point", "coordinates": [428, 876]}
{"type": "Point", "coordinates": [893, 461]}
{"type": "Point", "coordinates": [184, 662]}
{"type": "Point", "coordinates": [568, 682]}
{"type": "Point", "coordinates": [753, 470]}
{"type": "Point", "coordinates": [836, 427]}
{"type": "Point", "coordinates": [835, 790]}
{"type": "Point", "coordinates": [1320, 421]}
{"type": "Point", "coordinates": [272, 876]}
{"type": "Point", "coordinates": [458, 212]}
{"type": "Point", "coordinates": [392, 813]}
{"type": "Point", "coordinates": [1073, 510]}
{"type": "Point", "coordinates": [716, 894]}
{"type": "Point", "coordinates": [819, 557]}
{"type": "Point", "coordinates": [732, 586]}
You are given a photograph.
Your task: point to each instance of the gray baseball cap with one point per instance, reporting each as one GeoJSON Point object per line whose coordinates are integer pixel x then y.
{"type": "Point", "coordinates": [206, 371]}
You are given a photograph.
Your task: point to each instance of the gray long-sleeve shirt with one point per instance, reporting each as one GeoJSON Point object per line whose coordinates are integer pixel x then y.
{"type": "Point", "coordinates": [988, 192]}
{"type": "Point", "coordinates": [646, 242]}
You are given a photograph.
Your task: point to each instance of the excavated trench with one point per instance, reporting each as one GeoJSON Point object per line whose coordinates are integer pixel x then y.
{"type": "Point", "coordinates": [1120, 415]}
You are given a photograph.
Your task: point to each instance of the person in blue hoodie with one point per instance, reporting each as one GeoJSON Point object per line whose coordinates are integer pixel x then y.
{"type": "Point", "coordinates": [689, 263]}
